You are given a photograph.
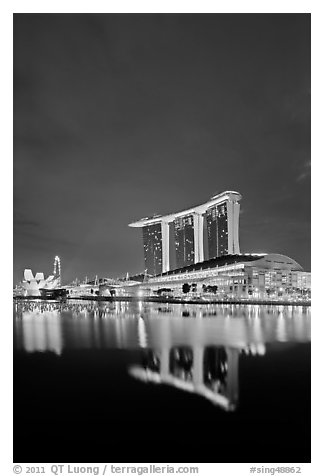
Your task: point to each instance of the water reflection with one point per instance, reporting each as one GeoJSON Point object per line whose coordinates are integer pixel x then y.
{"type": "Point", "coordinates": [52, 326]}
{"type": "Point", "coordinates": [211, 372]}
{"type": "Point", "coordinates": [190, 347]}
{"type": "Point", "coordinates": [39, 330]}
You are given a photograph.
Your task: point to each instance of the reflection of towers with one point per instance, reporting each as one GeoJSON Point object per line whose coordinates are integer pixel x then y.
{"type": "Point", "coordinates": [142, 336]}
{"type": "Point", "coordinates": [180, 362]}
{"type": "Point", "coordinates": [222, 224]}
{"type": "Point", "coordinates": [211, 372]}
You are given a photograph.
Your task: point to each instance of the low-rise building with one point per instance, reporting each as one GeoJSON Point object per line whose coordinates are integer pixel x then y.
{"type": "Point", "coordinates": [243, 277]}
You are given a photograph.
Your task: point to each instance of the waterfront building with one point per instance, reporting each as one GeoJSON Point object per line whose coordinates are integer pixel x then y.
{"type": "Point", "coordinates": [221, 213]}
{"type": "Point", "coordinates": [82, 290]}
{"type": "Point", "coordinates": [217, 230]}
{"type": "Point", "coordinates": [184, 240]}
{"type": "Point", "coordinates": [32, 285]}
{"type": "Point", "coordinates": [152, 241]}
{"type": "Point", "coordinates": [255, 277]}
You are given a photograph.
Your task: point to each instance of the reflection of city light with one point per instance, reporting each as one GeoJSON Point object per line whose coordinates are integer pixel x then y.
{"type": "Point", "coordinates": [42, 331]}
{"type": "Point", "coordinates": [253, 349]}
{"type": "Point", "coordinates": [142, 337]}
{"type": "Point", "coordinates": [221, 325]}
{"type": "Point", "coordinates": [261, 349]}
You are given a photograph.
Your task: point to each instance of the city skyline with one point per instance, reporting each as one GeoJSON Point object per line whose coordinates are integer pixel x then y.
{"type": "Point", "coordinates": [120, 116]}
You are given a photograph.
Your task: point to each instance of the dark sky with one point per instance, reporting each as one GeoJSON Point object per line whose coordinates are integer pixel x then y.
{"type": "Point", "coordinates": [117, 117]}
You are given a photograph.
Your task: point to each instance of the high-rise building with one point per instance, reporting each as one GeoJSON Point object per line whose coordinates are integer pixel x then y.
{"type": "Point", "coordinates": [152, 240]}
{"type": "Point", "coordinates": [222, 215]}
{"type": "Point", "coordinates": [217, 230]}
{"type": "Point", "coordinates": [184, 240]}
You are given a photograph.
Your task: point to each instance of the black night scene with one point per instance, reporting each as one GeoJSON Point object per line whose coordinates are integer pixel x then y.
{"type": "Point", "coordinates": [162, 240]}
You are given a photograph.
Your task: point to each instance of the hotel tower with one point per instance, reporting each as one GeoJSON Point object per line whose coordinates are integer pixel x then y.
{"type": "Point", "coordinates": [219, 217]}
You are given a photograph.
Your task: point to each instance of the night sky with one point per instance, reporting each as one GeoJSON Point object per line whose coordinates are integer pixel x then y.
{"type": "Point", "coordinates": [117, 117]}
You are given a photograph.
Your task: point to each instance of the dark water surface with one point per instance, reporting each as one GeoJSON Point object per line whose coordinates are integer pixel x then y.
{"type": "Point", "coordinates": [149, 382]}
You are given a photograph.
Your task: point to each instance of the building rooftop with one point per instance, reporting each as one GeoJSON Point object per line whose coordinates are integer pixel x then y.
{"type": "Point", "coordinates": [214, 262]}
{"type": "Point", "coordinates": [266, 260]}
{"type": "Point", "coordinates": [221, 197]}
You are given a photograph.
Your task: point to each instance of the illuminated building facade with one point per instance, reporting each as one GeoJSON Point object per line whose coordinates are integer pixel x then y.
{"type": "Point", "coordinates": [184, 240]}
{"type": "Point", "coordinates": [152, 241]}
{"type": "Point", "coordinates": [32, 285]}
{"type": "Point", "coordinates": [255, 276]}
{"type": "Point", "coordinates": [217, 230]}
{"type": "Point", "coordinates": [222, 215]}
{"type": "Point", "coordinates": [220, 272]}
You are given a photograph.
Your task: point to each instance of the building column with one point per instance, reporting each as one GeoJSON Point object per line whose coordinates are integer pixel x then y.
{"type": "Point", "coordinates": [199, 236]}
{"type": "Point", "coordinates": [165, 246]}
{"type": "Point", "coordinates": [233, 212]}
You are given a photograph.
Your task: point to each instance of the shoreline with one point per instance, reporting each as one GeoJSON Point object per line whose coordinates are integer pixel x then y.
{"type": "Point", "coordinates": [167, 300]}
